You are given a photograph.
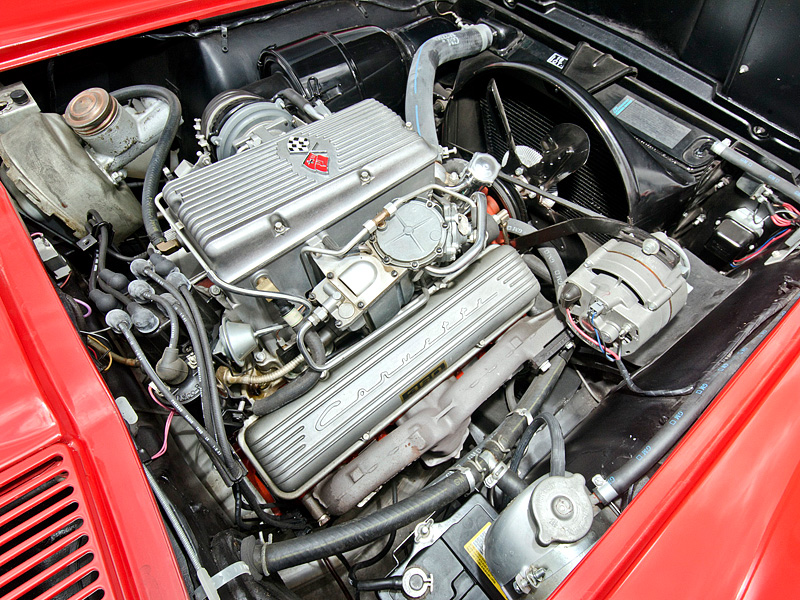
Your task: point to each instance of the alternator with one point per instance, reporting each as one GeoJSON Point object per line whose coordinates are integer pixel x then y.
{"type": "Point", "coordinates": [629, 289]}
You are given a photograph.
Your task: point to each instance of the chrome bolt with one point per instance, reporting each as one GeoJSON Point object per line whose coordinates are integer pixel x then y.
{"type": "Point", "coordinates": [651, 246]}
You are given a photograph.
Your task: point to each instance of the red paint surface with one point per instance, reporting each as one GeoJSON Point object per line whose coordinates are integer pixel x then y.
{"type": "Point", "coordinates": [718, 520]}
{"type": "Point", "coordinates": [51, 392]}
{"type": "Point", "coordinates": [721, 518]}
{"type": "Point", "coordinates": [34, 31]}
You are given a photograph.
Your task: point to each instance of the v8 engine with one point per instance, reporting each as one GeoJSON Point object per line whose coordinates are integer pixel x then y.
{"type": "Point", "coordinates": [417, 272]}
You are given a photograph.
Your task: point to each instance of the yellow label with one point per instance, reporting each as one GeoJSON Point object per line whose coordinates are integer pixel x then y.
{"type": "Point", "coordinates": [430, 376]}
{"type": "Point", "coordinates": [474, 548]}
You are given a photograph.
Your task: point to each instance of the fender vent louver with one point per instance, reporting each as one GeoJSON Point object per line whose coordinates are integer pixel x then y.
{"type": "Point", "coordinates": [47, 544]}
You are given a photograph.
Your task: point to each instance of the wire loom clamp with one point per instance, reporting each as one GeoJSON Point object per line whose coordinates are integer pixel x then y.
{"type": "Point", "coordinates": [210, 584]}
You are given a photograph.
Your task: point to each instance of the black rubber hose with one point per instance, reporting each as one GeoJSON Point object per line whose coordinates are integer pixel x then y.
{"type": "Point", "coordinates": [374, 560]}
{"type": "Point", "coordinates": [513, 426]}
{"type": "Point", "coordinates": [558, 453]}
{"type": "Point", "coordinates": [652, 393]}
{"type": "Point", "coordinates": [379, 585]}
{"type": "Point", "coordinates": [422, 75]}
{"type": "Point", "coordinates": [358, 532]}
{"type": "Point", "coordinates": [161, 150]}
{"type": "Point", "coordinates": [550, 256]}
{"type": "Point", "coordinates": [538, 267]}
{"type": "Point", "coordinates": [511, 484]}
{"type": "Point", "coordinates": [689, 410]}
{"type": "Point", "coordinates": [298, 386]}
{"type": "Point", "coordinates": [99, 262]}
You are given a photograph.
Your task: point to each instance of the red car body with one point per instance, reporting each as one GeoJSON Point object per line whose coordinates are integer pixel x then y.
{"type": "Point", "coordinates": [718, 520]}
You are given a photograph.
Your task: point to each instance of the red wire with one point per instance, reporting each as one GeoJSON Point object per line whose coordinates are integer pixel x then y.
{"type": "Point", "coordinates": [594, 343]}
{"type": "Point", "coordinates": [166, 436]}
{"type": "Point", "coordinates": [156, 400]}
{"type": "Point", "coordinates": [760, 250]}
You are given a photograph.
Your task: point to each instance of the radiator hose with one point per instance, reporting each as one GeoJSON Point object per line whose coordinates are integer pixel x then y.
{"type": "Point", "coordinates": [431, 55]}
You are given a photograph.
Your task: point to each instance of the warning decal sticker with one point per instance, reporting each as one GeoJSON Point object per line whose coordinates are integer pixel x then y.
{"type": "Point", "coordinates": [474, 548]}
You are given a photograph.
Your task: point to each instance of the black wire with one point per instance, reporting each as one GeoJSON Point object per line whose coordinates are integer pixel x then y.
{"type": "Point", "coordinates": [237, 499]}
{"type": "Point", "coordinates": [653, 393]}
{"type": "Point", "coordinates": [354, 581]}
{"type": "Point", "coordinates": [288, 522]}
{"type": "Point", "coordinates": [99, 262]}
{"type": "Point", "coordinates": [123, 258]}
{"type": "Point", "coordinates": [328, 565]}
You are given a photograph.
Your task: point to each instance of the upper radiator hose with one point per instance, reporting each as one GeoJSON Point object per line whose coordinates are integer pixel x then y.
{"type": "Point", "coordinates": [431, 55]}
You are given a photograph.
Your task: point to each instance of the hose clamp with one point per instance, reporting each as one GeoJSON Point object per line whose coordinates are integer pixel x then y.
{"type": "Point", "coordinates": [469, 475]}
{"type": "Point", "coordinates": [606, 493]}
{"type": "Point", "coordinates": [264, 568]}
{"type": "Point", "coordinates": [524, 413]}
{"type": "Point", "coordinates": [492, 478]}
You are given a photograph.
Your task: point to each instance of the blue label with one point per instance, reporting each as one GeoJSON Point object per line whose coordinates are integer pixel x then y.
{"type": "Point", "coordinates": [624, 103]}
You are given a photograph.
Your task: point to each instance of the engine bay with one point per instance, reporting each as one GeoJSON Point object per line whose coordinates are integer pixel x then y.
{"type": "Point", "coordinates": [413, 303]}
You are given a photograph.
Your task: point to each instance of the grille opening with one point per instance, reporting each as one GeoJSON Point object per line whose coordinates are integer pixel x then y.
{"type": "Point", "coordinates": [37, 508]}
{"type": "Point", "coordinates": [46, 543]}
{"type": "Point", "coordinates": [44, 525]}
{"type": "Point", "coordinates": [48, 551]}
{"type": "Point", "coordinates": [9, 487]}
{"type": "Point", "coordinates": [46, 564]}
{"type": "Point", "coordinates": [60, 575]}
